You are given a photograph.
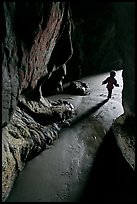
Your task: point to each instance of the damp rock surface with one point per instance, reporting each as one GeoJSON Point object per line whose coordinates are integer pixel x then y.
{"type": "Point", "coordinates": [33, 128]}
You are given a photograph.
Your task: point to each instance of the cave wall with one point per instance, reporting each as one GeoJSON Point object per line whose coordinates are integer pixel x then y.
{"type": "Point", "coordinates": [35, 34]}
{"type": "Point", "coordinates": [125, 38]}
{"type": "Point", "coordinates": [93, 38]}
{"type": "Point", "coordinates": [30, 33]}
{"type": "Point", "coordinates": [33, 37]}
{"type": "Point", "coordinates": [124, 126]}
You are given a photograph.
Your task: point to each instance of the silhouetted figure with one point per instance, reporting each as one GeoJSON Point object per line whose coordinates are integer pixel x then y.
{"type": "Point", "coordinates": [110, 81]}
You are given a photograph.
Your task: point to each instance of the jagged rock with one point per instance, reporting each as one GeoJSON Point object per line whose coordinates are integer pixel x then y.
{"type": "Point", "coordinates": [77, 87]}
{"type": "Point", "coordinates": [27, 135]}
{"type": "Point", "coordinates": [31, 32]}
{"type": "Point", "coordinates": [47, 111]}
{"type": "Point", "coordinates": [27, 54]}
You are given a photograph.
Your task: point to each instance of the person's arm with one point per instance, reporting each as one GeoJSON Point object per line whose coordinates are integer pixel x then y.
{"type": "Point", "coordinates": [115, 83]}
{"type": "Point", "coordinates": [105, 81]}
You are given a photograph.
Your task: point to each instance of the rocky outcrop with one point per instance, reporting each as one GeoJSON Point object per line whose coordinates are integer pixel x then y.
{"type": "Point", "coordinates": [31, 32]}
{"type": "Point", "coordinates": [34, 36]}
{"type": "Point", "coordinates": [77, 87]}
{"type": "Point", "coordinates": [33, 128]}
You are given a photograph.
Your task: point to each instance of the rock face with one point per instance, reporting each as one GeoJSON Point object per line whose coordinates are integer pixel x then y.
{"type": "Point", "coordinates": [31, 32]}
{"type": "Point", "coordinates": [34, 36]}
{"type": "Point", "coordinates": [33, 128]}
{"type": "Point", "coordinates": [77, 87]}
{"type": "Point", "coordinates": [125, 38]}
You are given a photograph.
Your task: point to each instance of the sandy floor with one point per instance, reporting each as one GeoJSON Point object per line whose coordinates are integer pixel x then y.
{"type": "Point", "coordinates": [60, 173]}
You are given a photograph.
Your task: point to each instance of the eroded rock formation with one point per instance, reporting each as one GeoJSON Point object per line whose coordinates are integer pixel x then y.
{"type": "Point", "coordinates": [34, 37]}
{"type": "Point", "coordinates": [31, 33]}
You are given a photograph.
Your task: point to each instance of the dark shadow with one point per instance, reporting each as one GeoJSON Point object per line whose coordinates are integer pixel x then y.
{"type": "Point", "coordinates": [88, 112]}
{"type": "Point", "coordinates": [111, 180]}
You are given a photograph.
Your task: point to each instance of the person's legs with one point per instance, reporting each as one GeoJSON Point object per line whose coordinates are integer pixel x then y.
{"type": "Point", "coordinates": [109, 93]}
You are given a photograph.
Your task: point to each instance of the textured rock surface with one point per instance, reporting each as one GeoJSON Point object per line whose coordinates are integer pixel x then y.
{"type": "Point", "coordinates": [77, 87]}
{"type": "Point", "coordinates": [24, 139]}
{"type": "Point", "coordinates": [34, 126]}
{"type": "Point", "coordinates": [30, 34]}
{"type": "Point", "coordinates": [33, 34]}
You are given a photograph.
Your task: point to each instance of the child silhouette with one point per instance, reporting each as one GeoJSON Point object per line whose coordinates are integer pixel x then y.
{"type": "Point", "coordinates": [110, 81]}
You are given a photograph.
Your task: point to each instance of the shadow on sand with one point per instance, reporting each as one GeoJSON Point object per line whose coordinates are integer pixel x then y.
{"type": "Point", "coordinates": [88, 112]}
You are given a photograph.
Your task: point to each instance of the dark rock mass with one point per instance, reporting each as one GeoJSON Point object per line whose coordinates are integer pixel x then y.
{"type": "Point", "coordinates": [34, 36]}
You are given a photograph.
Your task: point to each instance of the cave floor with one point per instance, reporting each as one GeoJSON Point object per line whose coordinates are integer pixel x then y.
{"type": "Point", "coordinates": [62, 172]}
